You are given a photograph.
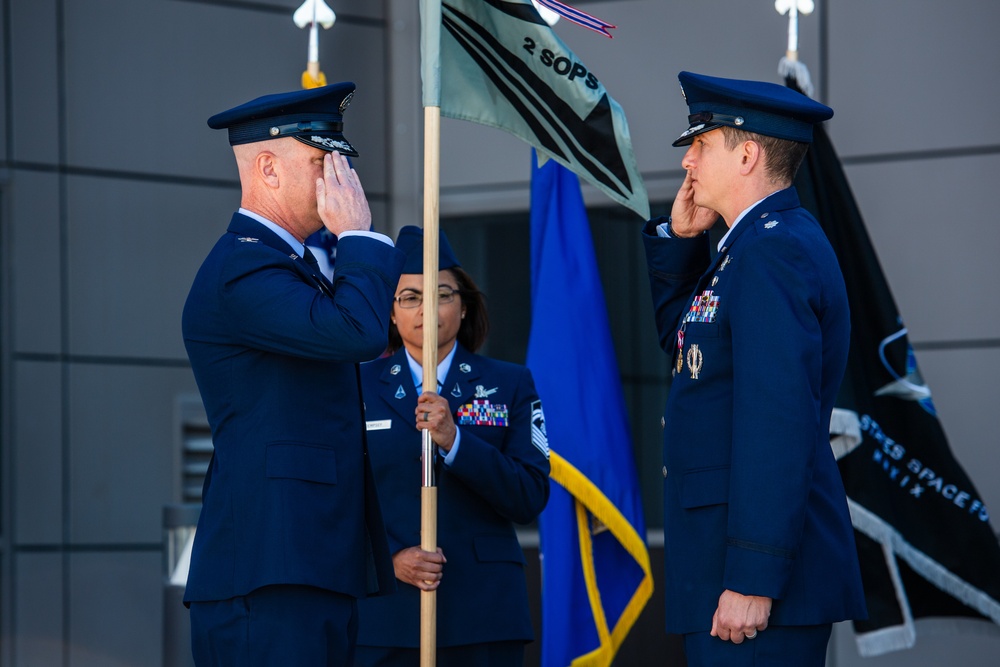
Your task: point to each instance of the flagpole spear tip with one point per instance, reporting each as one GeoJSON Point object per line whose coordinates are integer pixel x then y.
{"type": "Point", "coordinates": [311, 14]}
{"type": "Point", "coordinates": [789, 66]}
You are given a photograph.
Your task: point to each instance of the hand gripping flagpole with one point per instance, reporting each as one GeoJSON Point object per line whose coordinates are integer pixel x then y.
{"type": "Point", "coordinates": [313, 13]}
{"type": "Point", "coordinates": [430, 70]}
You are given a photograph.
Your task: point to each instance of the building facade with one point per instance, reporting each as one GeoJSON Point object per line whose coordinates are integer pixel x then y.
{"type": "Point", "coordinates": [113, 189]}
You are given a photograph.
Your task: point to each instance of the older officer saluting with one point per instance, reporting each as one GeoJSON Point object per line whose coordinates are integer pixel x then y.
{"type": "Point", "coordinates": [290, 533]}
{"type": "Point", "coordinates": [759, 543]}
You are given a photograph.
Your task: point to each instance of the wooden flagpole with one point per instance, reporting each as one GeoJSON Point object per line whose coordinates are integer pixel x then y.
{"type": "Point", "coordinates": [428, 491]}
{"type": "Point", "coordinates": [430, 66]}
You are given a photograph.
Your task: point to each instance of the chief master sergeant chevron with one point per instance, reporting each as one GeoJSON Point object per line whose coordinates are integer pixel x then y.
{"type": "Point", "coordinates": [759, 547]}
{"type": "Point", "coordinates": [290, 533]}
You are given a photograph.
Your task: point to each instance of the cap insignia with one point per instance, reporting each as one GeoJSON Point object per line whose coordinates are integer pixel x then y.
{"type": "Point", "coordinates": [692, 129]}
{"type": "Point", "coordinates": [346, 101]}
{"type": "Point", "coordinates": [331, 143]}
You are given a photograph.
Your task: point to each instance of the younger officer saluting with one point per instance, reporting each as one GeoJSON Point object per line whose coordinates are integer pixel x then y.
{"type": "Point", "coordinates": [290, 533]}
{"type": "Point", "coordinates": [758, 540]}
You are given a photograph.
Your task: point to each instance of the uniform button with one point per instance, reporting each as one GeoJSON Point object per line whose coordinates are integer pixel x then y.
{"type": "Point", "coordinates": [663, 423]}
{"type": "Point", "coordinates": [664, 471]}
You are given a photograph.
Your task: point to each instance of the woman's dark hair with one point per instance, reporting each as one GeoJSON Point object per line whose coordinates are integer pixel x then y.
{"type": "Point", "coordinates": [476, 323]}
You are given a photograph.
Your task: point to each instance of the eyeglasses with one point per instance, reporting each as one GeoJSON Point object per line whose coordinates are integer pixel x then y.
{"type": "Point", "coordinates": [413, 298]}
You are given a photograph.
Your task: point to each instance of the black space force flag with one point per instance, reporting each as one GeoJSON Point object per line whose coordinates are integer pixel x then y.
{"type": "Point", "coordinates": [926, 545]}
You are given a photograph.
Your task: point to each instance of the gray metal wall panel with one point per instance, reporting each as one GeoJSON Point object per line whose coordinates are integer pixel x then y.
{"type": "Point", "coordinates": [964, 390]}
{"type": "Point", "coordinates": [4, 93]}
{"type": "Point", "coordinates": [352, 52]}
{"type": "Point", "coordinates": [910, 75]}
{"type": "Point", "coordinates": [138, 98]}
{"type": "Point", "coordinates": [134, 249]}
{"type": "Point", "coordinates": [34, 81]}
{"type": "Point", "coordinates": [123, 430]}
{"type": "Point", "coordinates": [116, 610]}
{"type": "Point", "coordinates": [34, 256]}
{"type": "Point", "coordinates": [380, 214]}
{"type": "Point", "coordinates": [38, 609]}
{"type": "Point", "coordinates": [37, 453]}
{"type": "Point", "coordinates": [932, 223]}
{"type": "Point", "coordinates": [140, 88]}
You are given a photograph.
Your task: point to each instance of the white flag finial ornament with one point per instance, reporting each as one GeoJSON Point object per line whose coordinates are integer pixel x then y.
{"type": "Point", "coordinates": [311, 14]}
{"type": "Point", "coordinates": [789, 66]}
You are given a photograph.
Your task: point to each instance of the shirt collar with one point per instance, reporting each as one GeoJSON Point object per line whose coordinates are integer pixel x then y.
{"type": "Point", "coordinates": [443, 367]}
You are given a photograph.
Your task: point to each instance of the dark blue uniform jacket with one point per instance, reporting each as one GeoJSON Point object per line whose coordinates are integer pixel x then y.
{"type": "Point", "coordinates": [289, 497]}
{"type": "Point", "coordinates": [753, 499]}
{"type": "Point", "coordinates": [499, 477]}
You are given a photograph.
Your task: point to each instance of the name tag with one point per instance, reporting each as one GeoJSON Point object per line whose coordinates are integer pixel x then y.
{"type": "Point", "coordinates": [378, 425]}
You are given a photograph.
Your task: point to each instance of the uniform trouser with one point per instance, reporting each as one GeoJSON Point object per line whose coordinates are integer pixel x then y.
{"type": "Point", "coordinates": [778, 646]}
{"type": "Point", "coordinates": [275, 625]}
{"type": "Point", "coordinates": [492, 654]}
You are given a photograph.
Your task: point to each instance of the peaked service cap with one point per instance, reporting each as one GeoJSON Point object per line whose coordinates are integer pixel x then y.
{"type": "Point", "coordinates": [754, 106]}
{"type": "Point", "coordinates": [314, 116]}
{"type": "Point", "coordinates": [411, 242]}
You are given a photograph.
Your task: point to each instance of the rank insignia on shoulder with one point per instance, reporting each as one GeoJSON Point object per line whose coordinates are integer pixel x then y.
{"type": "Point", "coordinates": [771, 224]}
{"type": "Point", "coordinates": [482, 413]}
{"type": "Point", "coordinates": [248, 239]}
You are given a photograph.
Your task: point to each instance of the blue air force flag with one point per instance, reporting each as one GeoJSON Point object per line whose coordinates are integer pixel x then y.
{"type": "Point", "coordinates": [501, 65]}
{"type": "Point", "coordinates": [596, 576]}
